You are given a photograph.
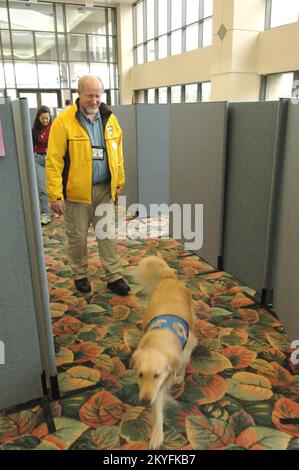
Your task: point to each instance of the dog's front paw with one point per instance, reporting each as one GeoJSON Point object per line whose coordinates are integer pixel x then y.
{"type": "Point", "coordinates": [156, 440]}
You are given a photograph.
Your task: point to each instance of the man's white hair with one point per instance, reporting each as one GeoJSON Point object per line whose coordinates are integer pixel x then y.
{"type": "Point", "coordinates": [82, 80]}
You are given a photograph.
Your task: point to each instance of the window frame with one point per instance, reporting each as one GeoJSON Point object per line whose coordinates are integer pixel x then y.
{"type": "Point", "coordinates": [137, 45]}
{"type": "Point", "coordinates": [59, 19]}
{"type": "Point", "coordinates": [144, 93]}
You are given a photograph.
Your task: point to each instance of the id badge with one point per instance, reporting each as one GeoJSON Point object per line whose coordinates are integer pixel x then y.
{"type": "Point", "coordinates": [97, 153]}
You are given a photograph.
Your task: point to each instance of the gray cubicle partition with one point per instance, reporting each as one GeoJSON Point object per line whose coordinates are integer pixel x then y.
{"type": "Point", "coordinates": [127, 119]}
{"type": "Point", "coordinates": [153, 155]}
{"type": "Point", "coordinates": [197, 168]}
{"type": "Point", "coordinates": [255, 135]}
{"type": "Point", "coordinates": [286, 279]}
{"type": "Point", "coordinates": [32, 114]}
{"type": "Point", "coordinates": [25, 323]}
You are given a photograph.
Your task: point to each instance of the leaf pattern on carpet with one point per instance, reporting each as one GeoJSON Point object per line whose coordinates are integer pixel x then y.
{"type": "Point", "coordinates": [239, 386]}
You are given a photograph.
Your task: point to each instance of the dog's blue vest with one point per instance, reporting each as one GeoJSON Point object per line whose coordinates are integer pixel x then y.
{"type": "Point", "coordinates": [173, 323]}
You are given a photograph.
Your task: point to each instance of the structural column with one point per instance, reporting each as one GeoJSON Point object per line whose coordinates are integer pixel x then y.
{"type": "Point", "coordinates": [125, 57]}
{"type": "Point", "coordinates": [236, 28]}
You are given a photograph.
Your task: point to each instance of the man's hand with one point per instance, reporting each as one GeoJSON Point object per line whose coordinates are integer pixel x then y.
{"type": "Point", "coordinates": [58, 207]}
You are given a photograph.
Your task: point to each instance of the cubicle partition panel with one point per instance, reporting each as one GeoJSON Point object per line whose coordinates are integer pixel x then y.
{"type": "Point", "coordinates": [126, 116]}
{"type": "Point", "coordinates": [25, 323]}
{"type": "Point", "coordinates": [197, 171]}
{"type": "Point", "coordinates": [153, 155]}
{"type": "Point", "coordinates": [254, 144]}
{"type": "Point", "coordinates": [286, 278]}
{"type": "Point", "coordinates": [32, 114]}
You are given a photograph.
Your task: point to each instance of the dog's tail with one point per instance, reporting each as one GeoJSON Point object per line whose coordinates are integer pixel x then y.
{"type": "Point", "coordinates": [152, 270]}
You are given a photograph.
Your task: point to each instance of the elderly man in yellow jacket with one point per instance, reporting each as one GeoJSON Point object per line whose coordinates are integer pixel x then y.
{"type": "Point", "coordinates": [85, 169]}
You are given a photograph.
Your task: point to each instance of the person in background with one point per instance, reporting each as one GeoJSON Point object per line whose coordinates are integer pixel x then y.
{"type": "Point", "coordinates": [67, 103]}
{"type": "Point", "coordinates": [85, 170]}
{"type": "Point", "coordinates": [40, 135]}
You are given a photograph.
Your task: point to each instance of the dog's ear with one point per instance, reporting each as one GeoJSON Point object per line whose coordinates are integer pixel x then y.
{"type": "Point", "coordinates": [134, 358]}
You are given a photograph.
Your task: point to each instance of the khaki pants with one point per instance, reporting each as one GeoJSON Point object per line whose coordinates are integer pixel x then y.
{"type": "Point", "coordinates": [78, 218]}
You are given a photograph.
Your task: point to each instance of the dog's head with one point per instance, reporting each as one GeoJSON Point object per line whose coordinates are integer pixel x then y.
{"type": "Point", "coordinates": [153, 369]}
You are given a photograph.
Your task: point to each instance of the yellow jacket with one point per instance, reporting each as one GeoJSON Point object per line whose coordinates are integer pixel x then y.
{"type": "Point", "coordinates": [69, 156]}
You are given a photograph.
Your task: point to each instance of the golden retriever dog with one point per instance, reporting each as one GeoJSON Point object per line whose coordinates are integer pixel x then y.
{"type": "Point", "coordinates": [168, 342]}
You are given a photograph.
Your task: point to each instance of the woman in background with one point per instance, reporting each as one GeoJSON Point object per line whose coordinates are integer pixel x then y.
{"type": "Point", "coordinates": [40, 135]}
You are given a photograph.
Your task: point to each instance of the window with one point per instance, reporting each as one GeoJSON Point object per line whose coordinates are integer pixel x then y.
{"type": "Point", "coordinates": [77, 47]}
{"type": "Point", "coordinates": [162, 14]}
{"type": "Point", "coordinates": [97, 46]}
{"type": "Point", "coordinates": [208, 8]}
{"type": "Point", "coordinates": [162, 46]}
{"type": "Point", "coordinates": [140, 96]}
{"type": "Point", "coordinates": [85, 20]}
{"type": "Point", "coordinates": [50, 45]}
{"type": "Point", "coordinates": [192, 13]}
{"type": "Point", "coordinates": [171, 26]}
{"type": "Point", "coordinates": [281, 12]}
{"type": "Point", "coordinates": [48, 75]}
{"type": "Point", "coordinates": [176, 42]}
{"type": "Point", "coordinates": [140, 55]}
{"type": "Point", "coordinates": [279, 86]}
{"type": "Point", "coordinates": [26, 74]}
{"type": "Point", "coordinates": [77, 69]}
{"type": "Point", "coordinates": [23, 47]}
{"type": "Point", "coordinates": [31, 16]}
{"type": "Point", "coordinates": [50, 99]}
{"type": "Point", "coordinates": [151, 96]}
{"type": "Point", "coordinates": [176, 94]}
{"type": "Point", "coordinates": [192, 36]}
{"type": "Point", "coordinates": [64, 75]}
{"type": "Point", "coordinates": [206, 91]}
{"type": "Point", "coordinates": [150, 51]}
{"type": "Point", "coordinates": [62, 47]}
{"type": "Point", "coordinates": [190, 93]}
{"type": "Point", "coordinates": [139, 22]}
{"type": "Point", "coordinates": [176, 14]}
{"type": "Point", "coordinates": [32, 99]}
{"type": "Point", "coordinates": [150, 17]}
{"type": "Point", "coordinates": [102, 70]}
{"type": "Point", "coordinates": [2, 80]}
{"type": "Point", "coordinates": [163, 95]}
{"type": "Point", "coordinates": [9, 74]}
{"type": "Point", "coordinates": [207, 33]}
{"type": "Point", "coordinates": [6, 45]}
{"type": "Point", "coordinates": [45, 46]}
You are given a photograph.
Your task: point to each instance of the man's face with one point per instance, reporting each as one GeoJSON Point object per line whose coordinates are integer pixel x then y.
{"type": "Point", "coordinates": [90, 96]}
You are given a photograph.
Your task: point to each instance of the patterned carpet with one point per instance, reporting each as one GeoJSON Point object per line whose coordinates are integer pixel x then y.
{"type": "Point", "coordinates": [239, 387]}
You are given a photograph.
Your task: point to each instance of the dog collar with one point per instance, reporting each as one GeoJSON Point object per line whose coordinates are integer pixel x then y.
{"type": "Point", "coordinates": [171, 322]}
